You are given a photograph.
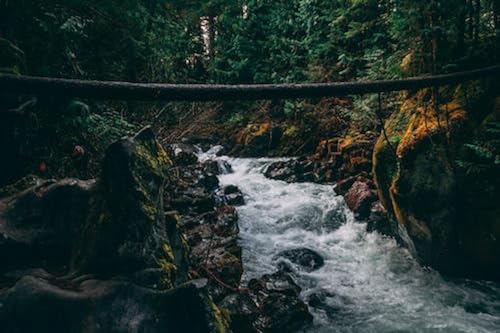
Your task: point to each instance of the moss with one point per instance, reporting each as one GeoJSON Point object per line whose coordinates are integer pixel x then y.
{"type": "Point", "coordinates": [18, 186]}
{"type": "Point", "coordinates": [155, 162]}
{"type": "Point", "coordinates": [167, 249]}
{"type": "Point", "coordinates": [150, 210]}
{"type": "Point", "coordinates": [410, 131]}
{"type": "Point", "coordinates": [291, 131]}
{"type": "Point", "coordinates": [354, 141]}
{"type": "Point", "coordinates": [385, 167]}
{"type": "Point", "coordinates": [252, 131]}
{"type": "Point", "coordinates": [221, 318]}
{"type": "Point", "coordinates": [170, 271]}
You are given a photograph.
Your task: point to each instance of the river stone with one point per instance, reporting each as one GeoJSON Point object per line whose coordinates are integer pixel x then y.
{"type": "Point", "coordinates": [211, 166]}
{"type": "Point", "coordinates": [183, 154]}
{"type": "Point", "coordinates": [307, 259]}
{"type": "Point", "coordinates": [277, 282]}
{"type": "Point", "coordinates": [281, 309]}
{"type": "Point", "coordinates": [242, 310]}
{"type": "Point", "coordinates": [360, 197]}
{"type": "Point", "coordinates": [284, 314]}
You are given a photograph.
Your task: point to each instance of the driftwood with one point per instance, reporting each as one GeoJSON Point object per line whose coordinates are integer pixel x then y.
{"type": "Point", "coordinates": [198, 92]}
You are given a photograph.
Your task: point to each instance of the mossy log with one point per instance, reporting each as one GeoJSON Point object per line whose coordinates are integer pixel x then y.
{"type": "Point", "coordinates": [201, 92]}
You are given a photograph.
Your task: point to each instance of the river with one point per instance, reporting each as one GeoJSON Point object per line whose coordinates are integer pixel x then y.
{"type": "Point", "coordinates": [368, 283]}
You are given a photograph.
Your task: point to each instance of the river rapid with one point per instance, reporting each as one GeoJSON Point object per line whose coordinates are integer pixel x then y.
{"type": "Point", "coordinates": [368, 283]}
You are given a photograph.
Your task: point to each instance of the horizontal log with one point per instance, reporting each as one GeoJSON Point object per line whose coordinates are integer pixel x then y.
{"type": "Point", "coordinates": [111, 90]}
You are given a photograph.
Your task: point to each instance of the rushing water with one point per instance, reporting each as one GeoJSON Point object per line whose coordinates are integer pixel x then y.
{"type": "Point", "coordinates": [368, 283]}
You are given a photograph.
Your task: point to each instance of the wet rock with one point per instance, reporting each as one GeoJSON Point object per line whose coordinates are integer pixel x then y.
{"type": "Point", "coordinates": [278, 282]}
{"type": "Point", "coordinates": [284, 314]}
{"type": "Point", "coordinates": [242, 310]}
{"type": "Point", "coordinates": [90, 305]}
{"type": "Point", "coordinates": [332, 304]}
{"type": "Point", "coordinates": [360, 197]}
{"type": "Point", "coordinates": [217, 167]}
{"type": "Point", "coordinates": [211, 166]}
{"type": "Point", "coordinates": [334, 219]}
{"type": "Point", "coordinates": [194, 199]}
{"type": "Point", "coordinates": [209, 225]}
{"type": "Point", "coordinates": [281, 310]}
{"type": "Point", "coordinates": [286, 171]}
{"type": "Point", "coordinates": [227, 221]}
{"type": "Point", "coordinates": [344, 185]}
{"type": "Point", "coordinates": [235, 199]}
{"type": "Point", "coordinates": [183, 154]}
{"type": "Point", "coordinates": [307, 259]}
{"type": "Point", "coordinates": [208, 181]}
{"type": "Point", "coordinates": [302, 169]}
{"type": "Point", "coordinates": [225, 167]}
{"type": "Point", "coordinates": [382, 222]}
{"type": "Point", "coordinates": [230, 195]}
{"type": "Point", "coordinates": [295, 170]}
{"type": "Point", "coordinates": [230, 189]}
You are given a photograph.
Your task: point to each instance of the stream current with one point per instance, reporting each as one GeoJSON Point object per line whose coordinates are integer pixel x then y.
{"type": "Point", "coordinates": [368, 283]}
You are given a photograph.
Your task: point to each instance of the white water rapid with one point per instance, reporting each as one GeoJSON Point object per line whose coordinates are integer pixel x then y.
{"type": "Point", "coordinates": [368, 283]}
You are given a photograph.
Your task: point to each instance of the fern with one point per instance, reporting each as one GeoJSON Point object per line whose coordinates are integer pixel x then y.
{"type": "Point", "coordinates": [480, 151]}
{"type": "Point", "coordinates": [482, 155]}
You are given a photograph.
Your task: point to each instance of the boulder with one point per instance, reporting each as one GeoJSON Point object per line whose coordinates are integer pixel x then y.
{"type": "Point", "coordinates": [280, 306]}
{"type": "Point", "coordinates": [38, 226]}
{"type": "Point", "coordinates": [233, 196]}
{"type": "Point", "coordinates": [217, 167]}
{"type": "Point", "coordinates": [449, 212]}
{"type": "Point", "coordinates": [298, 170]}
{"type": "Point", "coordinates": [359, 199]}
{"type": "Point", "coordinates": [92, 305]}
{"type": "Point", "coordinates": [125, 231]}
{"type": "Point", "coordinates": [344, 185]}
{"type": "Point", "coordinates": [242, 310]}
{"type": "Point", "coordinates": [183, 154]}
{"type": "Point", "coordinates": [306, 259]}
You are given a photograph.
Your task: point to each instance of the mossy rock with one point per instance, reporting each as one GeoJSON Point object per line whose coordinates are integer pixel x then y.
{"type": "Point", "coordinates": [420, 185]}
{"type": "Point", "coordinates": [126, 230]}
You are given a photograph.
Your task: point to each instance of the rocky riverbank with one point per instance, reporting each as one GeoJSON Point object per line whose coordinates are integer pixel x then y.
{"type": "Point", "coordinates": [151, 245]}
{"type": "Point", "coordinates": [208, 219]}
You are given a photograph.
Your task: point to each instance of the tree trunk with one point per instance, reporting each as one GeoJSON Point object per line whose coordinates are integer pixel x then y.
{"type": "Point", "coordinates": [460, 47]}
{"type": "Point", "coordinates": [477, 20]}
{"type": "Point", "coordinates": [496, 17]}
{"type": "Point", "coordinates": [470, 10]}
{"type": "Point", "coordinates": [211, 36]}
